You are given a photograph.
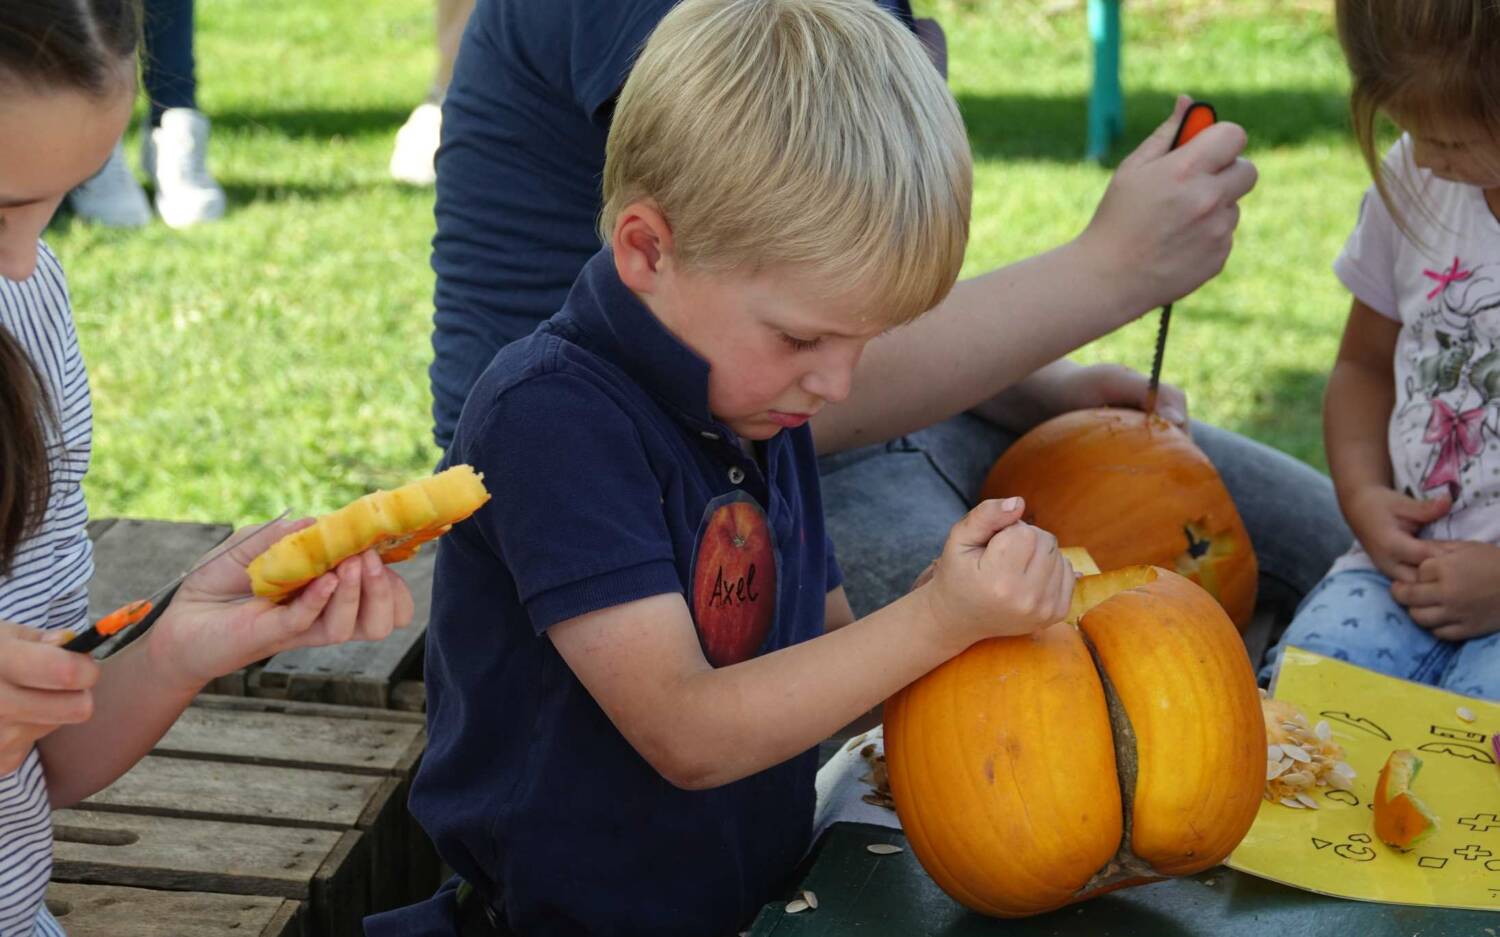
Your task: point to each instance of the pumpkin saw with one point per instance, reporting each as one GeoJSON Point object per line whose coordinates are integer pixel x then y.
{"type": "Point", "coordinates": [1198, 117]}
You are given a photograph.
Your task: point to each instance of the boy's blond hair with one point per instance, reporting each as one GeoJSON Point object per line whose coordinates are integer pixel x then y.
{"type": "Point", "coordinates": [806, 134]}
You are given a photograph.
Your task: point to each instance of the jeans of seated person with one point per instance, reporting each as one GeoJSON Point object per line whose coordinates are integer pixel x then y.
{"type": "Point", "coordinates": [1351, 616]}
{"type": "Point", "coordinates": [890, 507]}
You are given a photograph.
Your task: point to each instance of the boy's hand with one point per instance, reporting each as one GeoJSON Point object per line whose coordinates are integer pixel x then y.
{"type": "Point", "coordinates": [1114, 385]}
{"type": "Point", "coordinates": [42, 687]}
{"type": "Point", "coordinates": [215, 625]}
{"type": "Point", "coordinates": [998, 576]}
{"type": "Point", "coordinates": [1387, 522]}
{"type": "Point", "coordinates": [1167, 220]}
{"type": "Point", "coordinates": [1457, 592]}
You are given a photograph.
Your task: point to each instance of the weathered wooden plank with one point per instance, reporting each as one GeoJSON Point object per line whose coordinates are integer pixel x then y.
{"type": "Point", "coordinates": [111, 911]}
{"type": "Point", "coordinates": [296, 739]}
{"type": "Point", "coordinates": [409, 695]}
{"type": "Point", "coordinates": [135, 558]}
{"type": "Point", "coordinates": [358, 673]}
{"type": "Point", "coordinates": [327, 868]}
{"type": "Point", "coordinates": [301, 708]}
{"type": "Point", "coordinates": [217, 790]}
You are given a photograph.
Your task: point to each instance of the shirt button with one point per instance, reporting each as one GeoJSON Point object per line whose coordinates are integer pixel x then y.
{"type": "Point", "coordinates": [709, 434]}
{"type": "Point", "coordinates": [736, 475]}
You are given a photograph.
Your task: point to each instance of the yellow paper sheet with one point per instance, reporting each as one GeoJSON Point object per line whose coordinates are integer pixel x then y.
{"type": "Point", "coordinates": [1334, 850]}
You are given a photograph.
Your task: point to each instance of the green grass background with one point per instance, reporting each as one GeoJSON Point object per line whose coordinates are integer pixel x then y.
{"type": "Point", "coordinates": [279, 358]}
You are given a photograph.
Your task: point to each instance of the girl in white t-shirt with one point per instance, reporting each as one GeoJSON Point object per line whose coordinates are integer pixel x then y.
{"type": "Point", "coordinates": [1412, 412]}
{"type": "Point", "coordinates": [69, 725]}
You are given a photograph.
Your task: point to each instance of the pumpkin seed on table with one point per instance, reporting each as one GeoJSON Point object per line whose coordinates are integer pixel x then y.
{"type": "Point", "coordinates": [810, 898]}
{"type": "Point", "coordinates": [796, 905]}
{"type": "Point", "coordinates": [1466, 714]}
{"type": "Point", "coordinates": [884, 849]}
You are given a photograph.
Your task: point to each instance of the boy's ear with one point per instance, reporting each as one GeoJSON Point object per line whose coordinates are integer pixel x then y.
{"type": "Point", "coordinates": [642, 241]}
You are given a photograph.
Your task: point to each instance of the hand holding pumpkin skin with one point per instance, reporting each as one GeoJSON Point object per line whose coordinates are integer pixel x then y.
{"type": "Point", "coordinates": [1457, 593]}
{"type": "Point", "coordinates": [997, 576]}
{"type": "Point", "coordinates": [1387, 522]}
{"type": "Point", "coordinates": [216, 625]}
{"type": "Point", "coordinates": [42, 687]}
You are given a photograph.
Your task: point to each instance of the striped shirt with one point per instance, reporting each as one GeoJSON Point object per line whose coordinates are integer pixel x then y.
{"type": "Point", "coordinates": [48, 582]}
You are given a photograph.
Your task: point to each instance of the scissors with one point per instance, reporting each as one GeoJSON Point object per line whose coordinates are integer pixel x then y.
{"type": "Point", "coordinates": [142, 612]}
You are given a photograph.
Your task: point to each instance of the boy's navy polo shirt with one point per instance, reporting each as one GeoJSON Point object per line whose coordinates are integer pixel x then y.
{"type": "Point", "coordinates": [519, 169]}
{"type": "Point", "coordinates": [611, 482]}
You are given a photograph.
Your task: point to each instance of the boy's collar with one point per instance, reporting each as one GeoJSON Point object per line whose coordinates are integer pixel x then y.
{"type": "Point", "coordinates": [616, 325]}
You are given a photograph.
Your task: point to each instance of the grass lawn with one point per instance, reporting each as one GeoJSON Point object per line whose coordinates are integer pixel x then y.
{"type": "Point", "coordinates": [279, 357]}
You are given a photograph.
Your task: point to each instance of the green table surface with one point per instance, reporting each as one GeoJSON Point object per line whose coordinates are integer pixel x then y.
{"type": "Point", "coordinates": [860, 893]}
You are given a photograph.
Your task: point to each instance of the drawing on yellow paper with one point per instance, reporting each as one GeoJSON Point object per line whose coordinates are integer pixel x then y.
{"type": "Point", "coordinates": [1333, 849]}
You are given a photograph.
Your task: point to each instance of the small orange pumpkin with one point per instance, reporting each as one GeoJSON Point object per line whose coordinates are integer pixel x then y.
{"type": "Point", "coordinates": [1132, 488]}
{"type": "Point", "coordinates": [1113, 749]}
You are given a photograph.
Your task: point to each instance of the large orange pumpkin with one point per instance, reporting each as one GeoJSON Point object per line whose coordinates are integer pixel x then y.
{"type": "Point", "coordinates": [1035, 771]}
{"type": "Point", "coordinates": [1132, 488]}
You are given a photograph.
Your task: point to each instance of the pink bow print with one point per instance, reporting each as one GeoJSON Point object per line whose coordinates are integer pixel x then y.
{"type": "Point", "coordinates": [1444, 277]}
{"type": "Point", "coordinates": [1455, 432]}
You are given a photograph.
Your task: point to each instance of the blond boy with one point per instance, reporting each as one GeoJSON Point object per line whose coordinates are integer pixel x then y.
{"type": "Point", "coordinates": [637, 645]}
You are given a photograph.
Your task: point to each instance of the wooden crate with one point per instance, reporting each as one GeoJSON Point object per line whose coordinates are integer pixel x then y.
{"type": "Point", "coordinates": [112, 911]}
{"type": "Point", "coordinates": [268, 798]}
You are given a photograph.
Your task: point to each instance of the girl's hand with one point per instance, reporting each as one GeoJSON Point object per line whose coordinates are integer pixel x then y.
{"type": "Point", "coordinates": [1457, 592]}
{"type": "Point", "coordinates": [998, 576]}
{"type": "Point", "coordinates": [1114, 385]}
{"type": "Point", "coordinates": [215, 625]}
{"type": "Point", "coordinates": [42, 687]}
{"type": "Point", "coordinates": [1387, 523]}
{"type": "Point", "coordinates": [1167, 220]}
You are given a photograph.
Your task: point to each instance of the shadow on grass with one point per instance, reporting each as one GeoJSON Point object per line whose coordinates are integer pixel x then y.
{"type": "Point", "coordinates": [1054, 127]}
{"type": "Point", "coordinates": [1288, 413]}
{"type": "Point", "coordinates": [302, 123]}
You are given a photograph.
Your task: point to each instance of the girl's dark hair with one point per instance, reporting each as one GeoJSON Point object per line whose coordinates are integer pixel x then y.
{"type": "Point", "coordinates": [75, 44]}
{"type": "Point", "coordinates": [1430, 59]}
{"type": "Point", "coordinates": [81, 45]}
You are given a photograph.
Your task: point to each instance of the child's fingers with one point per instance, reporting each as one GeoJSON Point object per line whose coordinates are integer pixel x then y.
{"type": "Point", "coordinates": [342, 613]}
{"type": "Point", "coordinates": [1213, 151]}
{"type": "Point", "coordinates": [1416, 594]}
{"type": "Point", "coordinates": [978, 527]}
{"type": "Point", "coordinates": [1011, 550]}
{"type": "Point", "coordinates": [1432, 616]}
{"type": "Point", "coordinates": [377, 604]}
{"type": "Point", "coordinates": [46, 667]}
{"type": "Point", "coordinates": [302, 612]}
{"type": "Point", "coordinates": [1423, 511]}
{"type": "Point", "coordinates": [44, 707]}
{"type": "Point", "coordinates": [1160, 141]}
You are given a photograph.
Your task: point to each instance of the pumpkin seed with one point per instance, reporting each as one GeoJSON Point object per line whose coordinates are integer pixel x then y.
{"type": "Point", "coordinates": [1273, 752]}
{"type": "Point", "coordinates": [1296, 779]}
{"type": "Point", "coordinates": [884, 849]}
{"type": "Point", "coordinates": [1297, 753]}
{"type": "Point", "coordinates": [1307, 801]}
{"type": "Point", "coordinates": [796, 905]}
{"type": "Point", "coordinates": [810, 898]}
{"type": "Point", "coordinates": [1291, 802]}
{"type": "Point", "coordinates": [1466, 714]}
{"type": "Point", "coordinates": [1275, 769]}
{"type": "Point", "coordinates": [1344, 769]}
{"type": "Point", "coordinates": [1323, 730]}
{"type": "Point", "coordinates": [1339, 782]}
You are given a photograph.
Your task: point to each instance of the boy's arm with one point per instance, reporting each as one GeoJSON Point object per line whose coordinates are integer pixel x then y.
{"type": "Point", "coordinates": [1356, 410]}
{"type": "Point", "coordinates": [702, 727]}
{"type": "Point", "coordinates": [1164, 227]}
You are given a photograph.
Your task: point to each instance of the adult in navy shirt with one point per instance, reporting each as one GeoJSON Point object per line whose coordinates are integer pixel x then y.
{"type": "Point", "coordinates": [518, 194]}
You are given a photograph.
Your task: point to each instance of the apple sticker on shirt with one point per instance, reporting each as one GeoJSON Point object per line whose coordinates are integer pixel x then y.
{"type": "Point", "coordinates": [734, 579]}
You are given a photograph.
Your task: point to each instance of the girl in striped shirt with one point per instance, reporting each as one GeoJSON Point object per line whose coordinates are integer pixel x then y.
{"type": "Point", "coordinates": [69, 725]}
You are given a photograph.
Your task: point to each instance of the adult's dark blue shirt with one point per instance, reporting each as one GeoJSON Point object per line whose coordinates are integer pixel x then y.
{"type": "Point", "coordinates": [611, 482]}
{"type": "Point", "coordinates": [519, 169]}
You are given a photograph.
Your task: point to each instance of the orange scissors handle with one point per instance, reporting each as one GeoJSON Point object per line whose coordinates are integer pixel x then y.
{"type": "Point", "coordinates": [123, 617]}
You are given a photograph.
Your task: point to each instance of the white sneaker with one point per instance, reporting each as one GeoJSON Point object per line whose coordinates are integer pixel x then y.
{"type": "Point", "coordinates": [175, 156]}
{"type": "Point", "coordinates": [112, 197]}
{"type": "Point", "coordinates": [416, 145]}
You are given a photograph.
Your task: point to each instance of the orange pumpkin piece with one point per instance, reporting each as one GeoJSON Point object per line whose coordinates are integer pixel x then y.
{"type": "Point", "coordinates": [395, 523]}
{"type": "Point", "coordinates": [1115, 748]}
{"type": "Point", "coordinates": [1401, 820]}
{"type": "Point", "coordinates": [1132, 489]}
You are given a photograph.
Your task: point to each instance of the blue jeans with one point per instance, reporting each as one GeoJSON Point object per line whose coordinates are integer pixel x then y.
{"type": "Point", "coordinates": [1351, 616]}
{"type": "Point", "coordinates": [170, 73]}
{"type": "Point", "coordinates": [890, 506]}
